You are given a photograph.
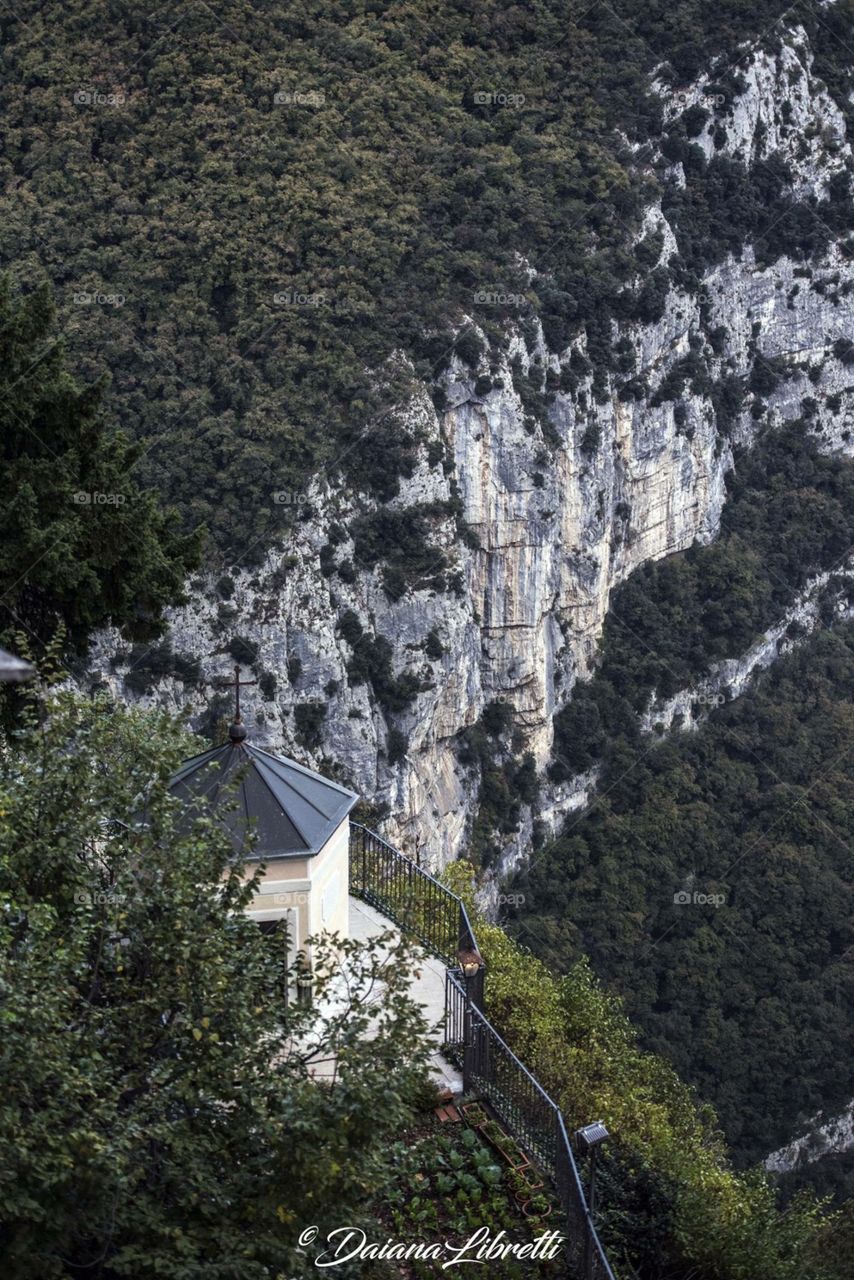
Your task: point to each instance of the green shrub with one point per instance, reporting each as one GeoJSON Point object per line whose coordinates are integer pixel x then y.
{"type": "Point", "coordinates": [396, 745]}
{"type": "Point", "coordinates": [433, 646]}
{"type": "Point", "coordinates": [243, 651]}
{"type": "Point", "coordinates": [592, 438]}
{"type": "Point", "coordinates": [371, 663]}
{"type": "Point", "coordinates": [394, 582]}
{"type": "Point", "coordinates": [308, 718]}
{"type": "Point", "coordinates": [267, 684]}
{"type": "Point", "coordinates": [497, 717]}
{"type": "Point", "coordinates": [469, 348]}
{"type": "Point", "coordinates": [149, 663]}
{"type": "Point", "coordinates": [402, 540]}
{"type": "Point", "coordinates": [350, 627]}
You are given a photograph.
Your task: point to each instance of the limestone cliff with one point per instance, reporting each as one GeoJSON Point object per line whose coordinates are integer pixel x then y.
{"type": "Point", "coordinates": [531, 523]}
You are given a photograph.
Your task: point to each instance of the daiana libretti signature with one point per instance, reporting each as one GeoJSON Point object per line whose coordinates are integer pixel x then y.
{"type": "Point", "coordinates": [351, 1244]}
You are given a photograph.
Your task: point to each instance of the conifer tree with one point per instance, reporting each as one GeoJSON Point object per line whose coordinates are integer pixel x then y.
{"type": "Point", "coordinates": [80, 543]}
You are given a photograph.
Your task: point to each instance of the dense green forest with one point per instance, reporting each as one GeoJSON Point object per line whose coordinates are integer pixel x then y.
{"type": "Point", "coordinates": [710, 883]}
{"type": "Point", "coordinates": [831, 1176]}
{"type": "Point", "coordinates": [789, 515]}
{"type": "Point", "coordinates": [246, 210]}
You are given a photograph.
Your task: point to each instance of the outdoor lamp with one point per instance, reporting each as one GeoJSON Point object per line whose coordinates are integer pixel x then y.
{"type": "Point", "coordinates": [589, 1139]}
{"type": "Point", "coordinates": [470, 962]}
{"type": "Point", "coordinates": [591, 1136]}
{"type": "Point", "coordinates": [14, 670]}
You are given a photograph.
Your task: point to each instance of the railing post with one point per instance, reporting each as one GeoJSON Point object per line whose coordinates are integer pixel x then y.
{"type": "Point", "coordinates": [485, 1056]}
{"type": "Point", "coordinates": [364, 845]}
{"type": "Point", "coordinates": [468, 1046]}
{"type": "Point", "coordinates": [588, 1251]}
{"type": "Point", "coordinates": [477, 989]}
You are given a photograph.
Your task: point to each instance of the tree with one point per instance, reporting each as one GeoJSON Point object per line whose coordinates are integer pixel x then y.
{"type": "Point", "coordinates": [158, 1114]}
{"type": "Point", "coordinates": [81, 544]}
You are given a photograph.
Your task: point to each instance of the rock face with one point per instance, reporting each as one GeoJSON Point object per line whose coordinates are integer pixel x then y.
{"type": "Point", "coordinates": [531, 523]}
{"type": "Point", "coordinates": [823, 1138]}
{"type": "Point", "coordinates": [729, 679]}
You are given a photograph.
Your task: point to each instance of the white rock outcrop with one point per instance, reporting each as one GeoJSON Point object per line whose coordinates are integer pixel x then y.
{"type": "Point", "coordinates": [559, 516]}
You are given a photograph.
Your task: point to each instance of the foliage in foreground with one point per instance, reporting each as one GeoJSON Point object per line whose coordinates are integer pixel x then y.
{"type": "Point", "coordinates": [449, 1185]}
{"type": "Point", "coordinates": [157, 1113]}
{"type": "Point", "coordinates": [672, 1205]}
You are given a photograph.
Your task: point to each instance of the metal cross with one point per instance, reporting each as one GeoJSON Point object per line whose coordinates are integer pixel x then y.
{"type": "Point", "coordinates": [237, 684]}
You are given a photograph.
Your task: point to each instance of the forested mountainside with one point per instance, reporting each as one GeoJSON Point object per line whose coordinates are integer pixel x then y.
{"type": "Point", "coordinates": [284, 214]}
{"type": "Point", "coordinates": [504, 355]}
{"type": "Point", "coordinates": [710, 883]}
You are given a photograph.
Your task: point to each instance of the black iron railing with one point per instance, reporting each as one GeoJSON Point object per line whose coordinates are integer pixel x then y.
{"type": "Point", "coordinates": [428, 911]}
{"type": "Point", "coordinates": [412, 898]}
{"type": "Point", "coordinates": [492, 1070]}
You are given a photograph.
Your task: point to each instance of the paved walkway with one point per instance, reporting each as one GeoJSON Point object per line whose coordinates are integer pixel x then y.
{"type": "Point", "coordinates": [428, 989]}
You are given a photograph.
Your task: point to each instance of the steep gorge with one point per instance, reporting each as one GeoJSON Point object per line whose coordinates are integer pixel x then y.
{"type": "Point", "coordinates": [519, 523]}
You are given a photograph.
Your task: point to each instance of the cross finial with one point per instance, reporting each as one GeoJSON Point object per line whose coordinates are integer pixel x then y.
{"type": "Point", "coordinates": [236, 730]}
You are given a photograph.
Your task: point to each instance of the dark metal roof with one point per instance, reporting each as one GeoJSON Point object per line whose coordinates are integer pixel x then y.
{"type": "Point", "coordinates": [291, 811]}
{"type": "Point", "coordinates": [13, 670]}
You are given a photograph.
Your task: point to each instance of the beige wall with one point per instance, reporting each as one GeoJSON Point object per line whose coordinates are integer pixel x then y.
{"type": "Point", "coordinates": [330, 882]}
{"type": "Point", "coordinates": [314, 889]}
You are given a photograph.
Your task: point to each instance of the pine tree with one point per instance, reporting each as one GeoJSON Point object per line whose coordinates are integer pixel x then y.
{"type": "Point", "coordinates": [81, 544]}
